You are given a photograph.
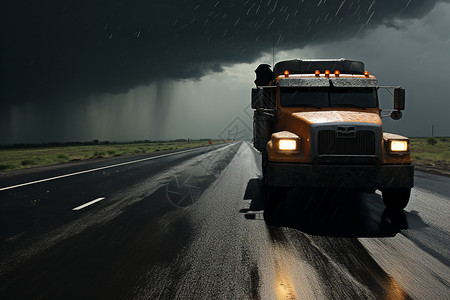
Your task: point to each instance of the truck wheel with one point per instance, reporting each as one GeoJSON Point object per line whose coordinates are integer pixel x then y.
{"type": "Point", "coordinates": [273, 206]}
{"type": "Point", "coordinates": [264, 166]}
{"type": "Point", "coordinates": [396, 198]}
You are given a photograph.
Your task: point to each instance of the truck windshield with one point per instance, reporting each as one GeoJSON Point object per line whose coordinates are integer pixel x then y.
{"type": "Point", "coordinates": [363, 97]}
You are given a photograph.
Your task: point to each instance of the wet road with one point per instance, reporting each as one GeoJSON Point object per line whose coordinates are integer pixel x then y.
{"type": "Point", "coordinates": [190, 226]}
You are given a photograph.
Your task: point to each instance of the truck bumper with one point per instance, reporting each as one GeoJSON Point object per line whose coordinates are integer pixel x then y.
{"type": "Point", "coordinates": [342, 176]}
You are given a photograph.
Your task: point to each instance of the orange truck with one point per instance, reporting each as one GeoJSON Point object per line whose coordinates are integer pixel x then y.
{"type": "Point", "coordinates": [318, 123]}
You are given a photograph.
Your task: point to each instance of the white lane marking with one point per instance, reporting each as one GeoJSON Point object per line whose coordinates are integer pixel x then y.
{"type": "Point", "coordinates": [87, 204]}
{"type": "Point", "coordinates": [92, 170]}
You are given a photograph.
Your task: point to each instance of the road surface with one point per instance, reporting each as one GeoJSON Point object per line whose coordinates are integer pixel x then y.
{"type": "Point", "coordinates": [190, 225]}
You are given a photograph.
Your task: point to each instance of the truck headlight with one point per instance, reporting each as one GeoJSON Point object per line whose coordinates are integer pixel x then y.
{"type": "Point", "coordinates": [399, 146]}
{"type": "Point", "coordinates": [285, 144]}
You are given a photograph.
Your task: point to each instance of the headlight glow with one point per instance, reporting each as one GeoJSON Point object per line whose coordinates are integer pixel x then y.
{"type": "Point", "coordinates": [397, 146]}
{"type": "Point", "coordinates": [287, 144]}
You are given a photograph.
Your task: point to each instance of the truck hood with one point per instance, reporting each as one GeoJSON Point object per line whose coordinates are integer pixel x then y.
{"type": "Point", "coordinates": [314, 117]}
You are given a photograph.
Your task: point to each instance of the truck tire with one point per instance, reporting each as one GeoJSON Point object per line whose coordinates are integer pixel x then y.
{"type": "Point", "coordinates": [396, 199]}
{"type": "Point", "coordinates": [274, 203]}
{"type": "Point", "coordinates": [264, 166]}
{"type": "Point", "coordinates": [274, 197]}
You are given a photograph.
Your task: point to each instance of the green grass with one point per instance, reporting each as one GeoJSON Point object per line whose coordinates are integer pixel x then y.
{"type": "Point", "coordinates": [13, 159]}
{"type": "Point", "coordinates": [20, 158]}
{"type": "Point", "coordinates": [425, 154]}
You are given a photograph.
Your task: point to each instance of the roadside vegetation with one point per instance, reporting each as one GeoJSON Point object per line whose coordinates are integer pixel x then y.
{"type": "Point", "coordinates": [27, 156]}
{"type": "Point", "coordinates": [425, 151]}
{"type": "Point", "coordinates": [431, 151]}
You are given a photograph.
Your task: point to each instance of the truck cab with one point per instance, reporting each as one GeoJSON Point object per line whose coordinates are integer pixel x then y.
{"type": "Point", "coordinates": [317, 123]}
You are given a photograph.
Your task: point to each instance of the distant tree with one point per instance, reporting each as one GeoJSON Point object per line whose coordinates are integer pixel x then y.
{"type": "Point", "coordinates": [432, 141]}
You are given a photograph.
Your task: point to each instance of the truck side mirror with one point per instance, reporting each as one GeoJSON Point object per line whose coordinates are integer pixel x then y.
{"type": "Point", "coordinates": [396, 115]}
{"type": "Point", "coordinates": [399, 98]}
{"type": "Point", "coordinates": [257, 98]}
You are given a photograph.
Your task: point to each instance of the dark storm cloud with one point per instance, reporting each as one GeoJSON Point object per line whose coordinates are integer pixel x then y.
{"type": "Point", "coordinates": [53, 49]}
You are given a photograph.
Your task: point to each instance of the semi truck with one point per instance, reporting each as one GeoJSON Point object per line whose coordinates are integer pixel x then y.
{"type": "Point", "coordinates": [318, 124]}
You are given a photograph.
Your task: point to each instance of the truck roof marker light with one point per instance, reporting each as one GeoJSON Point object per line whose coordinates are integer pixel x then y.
{"type": "Point", "coordinates": [337, 73]}
{"type": "Point", "coordinates": [317, 73]}
{"type": "Point", "coordinates": [366, 73]}
{"type": "Point", "coordinates": [286, 73]}
{"type": "Point", "coordinates": [327, 73]}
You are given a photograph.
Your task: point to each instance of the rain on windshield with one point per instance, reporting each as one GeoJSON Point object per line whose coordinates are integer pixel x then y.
{"type": "Point", "coordinates": [363, 97]}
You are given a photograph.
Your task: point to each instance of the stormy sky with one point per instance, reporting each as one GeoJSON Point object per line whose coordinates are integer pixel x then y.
{"type": "Point", "coordinates": [127, 70]}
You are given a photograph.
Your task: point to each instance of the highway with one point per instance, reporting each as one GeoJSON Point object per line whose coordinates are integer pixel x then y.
{"type": "Point", "coordinates": [189, 225]}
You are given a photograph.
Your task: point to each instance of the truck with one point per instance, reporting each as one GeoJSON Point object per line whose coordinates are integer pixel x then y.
{"type": "Point", "coordinates": [318, 124]}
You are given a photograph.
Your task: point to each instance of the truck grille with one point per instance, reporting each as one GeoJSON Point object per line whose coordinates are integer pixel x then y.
{"type": "Point", "coordinates": [331, 142]}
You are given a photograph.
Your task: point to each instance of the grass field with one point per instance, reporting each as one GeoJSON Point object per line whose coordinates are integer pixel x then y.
{"type": "Point", "coordinates": [433, 155]}
{"type": "Point", "coordinates": [20, 158]}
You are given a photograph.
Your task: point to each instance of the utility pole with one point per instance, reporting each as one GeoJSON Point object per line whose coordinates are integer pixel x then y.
{"type": "Point", "coordinates": [432, 130]}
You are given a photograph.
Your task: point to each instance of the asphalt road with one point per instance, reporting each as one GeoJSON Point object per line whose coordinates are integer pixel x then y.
{"type": "Point", "coordinates": [189, 225]}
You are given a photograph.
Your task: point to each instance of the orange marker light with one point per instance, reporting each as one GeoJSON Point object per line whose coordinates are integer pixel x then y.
{"type": "Point", "coordinates": [327, 73]}
{"type": "Point", "coordinates": [366, 73]}
{"type": "Point", "coordinates": [317, 72]}
{"type": "Point", "coordinates": [286, 74]}
{"type": "Point", "coordinates": [337, 73]}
